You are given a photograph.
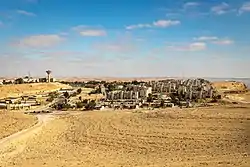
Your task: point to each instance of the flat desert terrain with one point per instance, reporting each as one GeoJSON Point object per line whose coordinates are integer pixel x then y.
{"type": "Point", "coordinates": [12, 122]}
{"type": "Point", "coordinates": [178, 138]}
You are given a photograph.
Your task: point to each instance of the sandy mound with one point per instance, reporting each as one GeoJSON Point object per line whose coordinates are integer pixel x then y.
{"type": "Point", "coordinates": [208, 137]}
{"type": "Point", "coordinates": [229, 86]}
{"type": "Point", "coordinates": [11, 122]}
{"type": "Point", "coordinates": [18, 90]}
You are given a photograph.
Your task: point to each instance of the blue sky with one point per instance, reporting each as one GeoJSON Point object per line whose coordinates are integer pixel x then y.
{"type": "Point", "coordinates": [125, 38]}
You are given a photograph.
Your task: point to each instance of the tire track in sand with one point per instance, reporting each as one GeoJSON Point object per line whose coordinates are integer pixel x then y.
{"type": "Point", "coordinates": [16, 143]}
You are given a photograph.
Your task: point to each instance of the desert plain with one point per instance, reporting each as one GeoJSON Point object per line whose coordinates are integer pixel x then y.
{"type": "Point", "coordinates": [207, 136]}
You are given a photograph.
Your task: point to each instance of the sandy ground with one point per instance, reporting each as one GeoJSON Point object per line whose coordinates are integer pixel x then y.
{"type": "Point", "coordinates": [26, 89]}
{"type": "Point", "coordinates": [229, 86]}
{"type": "Point", "coordinates": [241, 98]}
{"type": "Point", "coordinates": [12, 122]}
{"type": "Point", "coordinates": [16, 143]}
{"type": "Point", "coordinates": [194, 137]}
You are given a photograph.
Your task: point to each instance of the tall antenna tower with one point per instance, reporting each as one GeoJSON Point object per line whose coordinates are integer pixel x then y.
{"type": "Point", "coordinates": [29, 75]}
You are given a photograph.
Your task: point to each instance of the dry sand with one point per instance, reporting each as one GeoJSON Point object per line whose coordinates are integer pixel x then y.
{"type": "Point", "coordinates": [229, 86]}
{"type": "Point", "coordinates": [243, 97]}
{"type": "Point", "coordinates": [26, 89]}
{"type": "Point", "coordinates": [194, 137]}
{"type": "Point", "coordinates": [12, 122]}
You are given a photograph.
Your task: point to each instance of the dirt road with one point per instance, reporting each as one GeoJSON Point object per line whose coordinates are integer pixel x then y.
{"type": "Point", "coordinates": [16, 143]}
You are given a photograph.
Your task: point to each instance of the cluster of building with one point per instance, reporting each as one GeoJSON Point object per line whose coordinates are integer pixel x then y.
{"type": "Point", "coordinates": [17, 103]}
{"type": "Point", "coordinates": [165, 93]}
{"type": "Point", "coordinates": [191, 89]}
{"type": "Point", "coordinates": [131, 92]}
{"type": "Point", "coordinates": [29, 79]}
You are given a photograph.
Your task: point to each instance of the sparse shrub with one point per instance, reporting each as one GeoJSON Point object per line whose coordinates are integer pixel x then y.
{"type": "Point", "coordinates": [85, 101]}
{"type": "Point", "coordinates": [50, 99]}
{"type": "Point", "coordinates": [19, 81]}
{"type": "Point", "coordinates": [91, 105]}
{"type": "Point", "coordinates": [79, 91]}
{"type": "Point", "coordinates": [66, 95]}
{"type": "Point", "coordinates": [74, 94]}
{"type": "Point", "coordinates": [150, 98]}
{"type": "Point", "coordinates": [53, 95]}
{"type": "Point", "coordinates": [62, 106]}
{"type": "Point", "coordinates": [79, 105]}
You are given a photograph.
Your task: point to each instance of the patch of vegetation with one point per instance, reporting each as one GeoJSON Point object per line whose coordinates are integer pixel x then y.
{"type": "Point", "coordinates": [19, 81]}
{"type": "Point", "coordinates": [150, 98]}
{"type": "Point", "coordinates": [91, 105]}
{"type": "Point", "coordinates": [80, 105]}
{"type": "Point", "coordinates": [79, 91]}
{"type": "Point", "coordinates": [66, 95]}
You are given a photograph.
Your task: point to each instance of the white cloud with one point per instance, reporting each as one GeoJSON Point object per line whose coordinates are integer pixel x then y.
{"type": "Point", "coordinates": [96, 65]}
{"type": "Point", "coordinates": [84, 30]}
{"type": "Point", "coordinates": [166, 23]}
{"type": "Point", "coordinates": [215, 40]}
{"type": "Point", "coordinates": [223, 8]}
{"type": "Point", "coordinates": [79, 27]}
{"type": "Point", "coordinates": [158, 23]}
{"type": "Point", "coordinates": [191, 4]}
{"type": "Point", "coordinates": [93, 33]}
{"type": "Point", "coordinates": [138, 26]}
{"type": "Point", "coordinates": [206, 38]}
{"type": "Point", "coordinates": [196, 46]}
{"type": "Point", "coordinates": [223, 42]}
{"type": "Point", "coordinates": [39, 41]}
{"type": "Point", "coordinates": [23, 12]}
{"type": "Point", "coordinates": [245, 8]}
{"type": "Point", "coordinates": [63, 33]}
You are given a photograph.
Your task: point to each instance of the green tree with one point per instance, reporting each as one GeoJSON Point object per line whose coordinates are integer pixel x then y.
{"type": "Point", "coordinates": [91, 105]}
{"type": "Point", "coordinates": [66, 95]}
{"type": "Point", "coordinates": [85, 101]}
{"type": "Point", "coordinates": [19, 81]}
{"type": "Point", "coordinates": [74, 94]}
{"type": "Point", "coordinates": [111, 87]}
{"type": "Point", "coordinates": [150, 98]}
{"type": "Point", "coordinates": [79, 105]}
{"type": "Point", "coordinates": [135, 82]}
{"type": "Point", "coordinates": [162, 103]}
{"type": "Point", "coordinates": [50, 99]}
{"type": "Point", "coordinates": [53, 94]}
{"type": "Point", "coordinates": [79, 91]}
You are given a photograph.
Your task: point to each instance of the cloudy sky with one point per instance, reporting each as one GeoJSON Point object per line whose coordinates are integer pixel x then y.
{"type": "Point", "coordinates": [125, 38]}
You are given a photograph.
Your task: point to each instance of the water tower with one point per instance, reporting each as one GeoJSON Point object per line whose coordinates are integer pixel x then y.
{"type": "Point", "coordinates": [48, 75]}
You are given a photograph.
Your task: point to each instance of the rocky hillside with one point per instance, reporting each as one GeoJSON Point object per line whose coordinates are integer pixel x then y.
{"type": "Point", "coordinates": [227, 86]}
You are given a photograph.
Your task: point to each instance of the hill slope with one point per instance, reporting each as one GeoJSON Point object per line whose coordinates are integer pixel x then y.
{"type": "Point", "coordinates": [229, 86]}
{"type": "Point", "coordinates": [26, 89]}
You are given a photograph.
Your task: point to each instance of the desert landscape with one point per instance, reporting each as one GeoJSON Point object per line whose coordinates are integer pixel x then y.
{"type": "Point", "coordinates": [192, 137]}
{"type": "Point", "coordinates": [205, 136]}
{"type": "Point", "coordinates": [12, 122]}
{"type": "Point", "coordinates": [118, 83]}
